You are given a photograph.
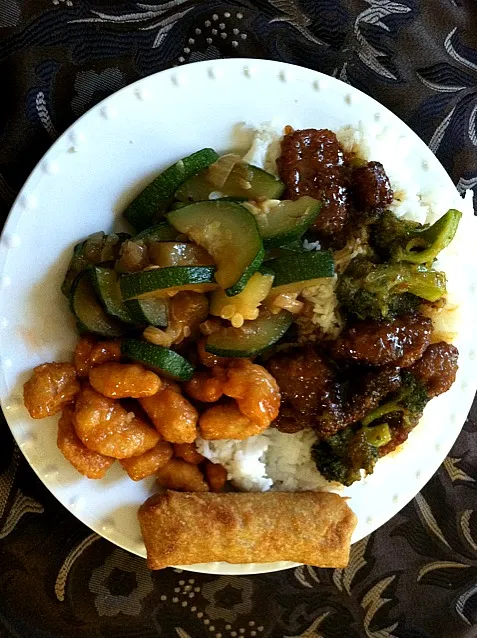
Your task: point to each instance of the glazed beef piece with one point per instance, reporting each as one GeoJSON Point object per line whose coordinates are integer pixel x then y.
{"type": "Point", "coordinates": [370, 187]}
{"type": "Point", "coordinates": [370, 391]}
{"type": "Point", "coordinates": [310, 392]}
{"type": "Point", "coordinates": [400, 341]}
{"type": "Point", "coordinates": [437, 368]}
{"type": "Point", "coordinates": [312, 162]}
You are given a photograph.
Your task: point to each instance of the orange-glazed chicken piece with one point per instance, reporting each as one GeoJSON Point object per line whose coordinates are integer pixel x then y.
{"type": "Point", "coordinates": [50, 387]}
{"type": "Point", "coordinates": [216, 476]}
{"type": "Point", "coordinates": [181, 476]}
{"type": "Point", "coordinates": [174, 417]}
{"type": "Point", "coordinates": [226, 421]}
{"type": "Point", "coordinates": [124, 380]}
{"type": "Point", "coordinates": [91, 464]}
{"type": "Point", "coordinates": [255, 390]}
{"type": "Point", "coordinates": [138, 467]}
{"type": "Point", "coordinates": [90, 352]}
{"type": "Point", "coordinates": [188, 452]}
{"type": "Point", "coordinates": [205, 386]}
{"type": "Point", "coordinates": [104, 426]}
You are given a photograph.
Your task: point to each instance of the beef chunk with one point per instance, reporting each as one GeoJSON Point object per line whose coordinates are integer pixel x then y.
{"type": "Point", "coordinates": [437, 367]}
{"type": "Point", "coordinates": [312, 162]}
{"type": "Point", "coordinates": [370, 187]}
{"type": "Point", "coordinates": [377, 343]}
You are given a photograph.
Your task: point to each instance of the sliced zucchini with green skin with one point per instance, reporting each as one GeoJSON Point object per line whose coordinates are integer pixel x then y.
{"type": "Point", "coordinates": [153, 312]}
{"type": "Point", "coordinates": [245, 181]}
{"type": "Point", "coordinates": [159, 232]}
{"type": "Point", "coordinates": [252, 338]}
{"type": "Point", "coordinates": [286, 221]}
{"type": "Point", "coordinates": [229, 233]}
{"type": "Point", "coordinates": [293, 247]}
{"type": "Point", "coordinates": [76, 265]}
{"type": "Point", "coordinates": [156, 198]}
{"type": "Point", "coordinates": [164, 361]}
{"type": "Point", "coordinates": [106, 285]}
{"type": "Point", "coordinates": [299, 270]}
{"type": "Point", "coordinates": [158, 282]}
{"type": "Point", "coordinates": [94, 250]}
{"type": "Point", "coordinates": [89, 312]}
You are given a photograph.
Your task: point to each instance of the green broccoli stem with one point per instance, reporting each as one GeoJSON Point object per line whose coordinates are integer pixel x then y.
{"type": "Point", "coordinates": [377, 435]}
{"type": "Point", "coordinates": [382, 410]}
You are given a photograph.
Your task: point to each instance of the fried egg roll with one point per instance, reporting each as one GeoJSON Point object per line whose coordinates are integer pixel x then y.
{"type": "Point", "coordinates": [183, 528]}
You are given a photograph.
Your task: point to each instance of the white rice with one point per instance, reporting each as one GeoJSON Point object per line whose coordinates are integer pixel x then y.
{"type": "Point", "coordinates": [277, 461]}
{"type": "Point", "coordinates": [270, 461]}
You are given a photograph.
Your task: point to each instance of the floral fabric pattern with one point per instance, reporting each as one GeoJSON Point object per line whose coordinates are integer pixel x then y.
{"type": "Point", "coordinates": [416, 577]}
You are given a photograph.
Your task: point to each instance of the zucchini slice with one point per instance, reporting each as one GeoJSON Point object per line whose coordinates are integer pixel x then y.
{"type": "Point", "coordinates": [287, 221]}
{"type": "Point", "coordinates": [88, 310]}
{"type": "Point", "coordinates": [158, 195]}
{"type": "Point", "coordinates": [106, 285]}
{"type": "Point", "coordinates": [300, 270]}
{"type": "Point", "coordinates": [159, 232]}
{"type": "Point", "coordinates": [229, 233]}
{"type": "Point", "coordinates": [163, 282]}
{"type": "Point", "coordinates": [250, 339]}
{"type": "Point", "coordinates": [169, 253]}
{"type": "Point", "coordinates": [245, 182]}
{"type": "Point", "coordinates": [153, 312]}
{"type": "Point", "coordinates": [164, 361]}
{"type": "Point", "coordinates": [94, 250]}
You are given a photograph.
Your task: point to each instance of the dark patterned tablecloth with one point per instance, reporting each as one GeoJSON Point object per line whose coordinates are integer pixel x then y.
{"type": "Point", "coordinates": [414, 578]}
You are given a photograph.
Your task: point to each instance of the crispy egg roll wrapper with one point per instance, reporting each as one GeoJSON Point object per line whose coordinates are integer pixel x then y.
{"type": "Point", "coordinates": [183, 528]}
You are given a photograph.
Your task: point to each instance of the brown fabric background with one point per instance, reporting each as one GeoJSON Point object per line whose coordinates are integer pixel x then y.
{"type": "Point", "coordinates": [414, 578]}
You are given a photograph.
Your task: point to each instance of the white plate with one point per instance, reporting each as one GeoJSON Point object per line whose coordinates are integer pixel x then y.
{"type": "Point", "coordinates": [83, 183]}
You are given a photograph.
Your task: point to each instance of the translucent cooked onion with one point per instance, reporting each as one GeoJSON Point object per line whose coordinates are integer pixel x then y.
{"type": "Point", "coordinates": [287, 301]}
{"type": "Point", "coordinates": [132, 257]}
{"type": "Point", "coordinates": [93, 248]}
{"type": "Point", "coordinates": [158, 337]}
{"type": "Point", "coordinates": [109, 250]}
{"type": "Point", "coordinates": [210, 326]}
{"type": "Point", "coordinates": [219, 172]}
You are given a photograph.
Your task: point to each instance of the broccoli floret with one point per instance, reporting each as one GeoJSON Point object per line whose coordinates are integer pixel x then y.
{"type": "Point", "coordinates": [402, 240]}
{"type": "Point", "coordinates": [410, 401]}
{"type": "Point", "coordinates": [341, 457]}
{"type": "Point", "coordinates": [375, 291]}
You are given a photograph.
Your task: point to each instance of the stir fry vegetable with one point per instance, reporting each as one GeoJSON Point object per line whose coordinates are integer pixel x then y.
{"type": "Point", "coordinates": [402, 240]}
{"type": "Point", "coordinates": [376, 291]}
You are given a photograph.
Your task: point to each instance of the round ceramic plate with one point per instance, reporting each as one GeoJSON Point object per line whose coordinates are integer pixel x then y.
{"type": "Point", "coordinates": [82, 185]}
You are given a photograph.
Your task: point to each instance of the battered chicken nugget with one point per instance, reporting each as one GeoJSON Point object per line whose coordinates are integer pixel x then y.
{"type": "Point", "coordinates": [204, 387]}
{"type": "Point", "coordinates": [172, 415]}
{"type": "Point", "coordinates": [188, 452]}
{"type": "Point", "coordinates": [90, 352]}
{"type": "Point", "coordinates": [104, 426]}
{"type": "Point", "coordinates": [89, 463]}
{"type": "Point", "coordinates": [122, 380]}
{"type": "Point", "coordinates": [247, 527]}
{"type": "Point", "coordinates": [138, 467]}
{"type": "Point", "coordinates": [255, 390]}
{"type": "Point", "coordinates": [216, 476]}
{"type": "Point", "coordinates": [181, 476]}
{"type": "Point", "coordinates": [51, 386]}
{"type": "Point", "coordinates": [225, 421]}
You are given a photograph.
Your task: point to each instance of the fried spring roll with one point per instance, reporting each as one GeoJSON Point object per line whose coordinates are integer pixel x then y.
{"type": "Point", "coordinates": [183, 528]}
